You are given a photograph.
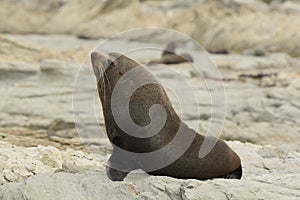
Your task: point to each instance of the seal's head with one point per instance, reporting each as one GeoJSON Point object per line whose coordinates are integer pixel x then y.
{"type": "Point", "coordinates": [109, 68]}
{"type": "Point", "coordinates": [122, 83]}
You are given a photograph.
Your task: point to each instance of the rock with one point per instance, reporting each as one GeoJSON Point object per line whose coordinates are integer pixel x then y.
{"type": "Point", "coordinates": [233, 35]}
{"type": "Point", "coordinates": [290, 112]}
{"type": "Point", "coordinates": [288, 6]}
{"type": "Point", "coordinates": [269, 172]}
{"type": "Point", "coordinates": [33, 138]}
{"type": "Point", "coordinates": [257, 51]}
{"type": "Point", "coordinates": [246, 62]}
{"type": "Point", "coordinates": [17, 70]}
{"type": "Point", "coordinates": [199, 19]}
{"type": "Point", "coordinates": [34, 49]}
{"type": "Point", "coordinates": [262, 133]}
{"type": "Point", "coordinates": [164, 72]}
{"type": "Point", "coordinates": [295, 83]}
{"type": "Point", "coordinates": [257, 5]}
{"type": "Point", "coordinates": [21, 162]}
{"type": "Point", "coordinates": [109, 6]}
{"type": "Point", "coordinates": [12, 50]}
{"type": "Point", "coordinates": [57, 67]}
{"type": "Point", "coordinates": [266, 116]}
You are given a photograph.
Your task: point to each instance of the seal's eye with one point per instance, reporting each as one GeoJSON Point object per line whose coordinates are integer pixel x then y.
{"type": "Point", "coordinates": [110, 63]}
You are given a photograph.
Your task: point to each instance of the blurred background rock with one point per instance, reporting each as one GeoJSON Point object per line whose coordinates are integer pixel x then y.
{"type": "Point", "coordinates": [219, 25]}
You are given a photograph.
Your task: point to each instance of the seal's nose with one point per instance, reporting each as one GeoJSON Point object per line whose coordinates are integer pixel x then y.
{"type": "Point", "coordinates": [98, 61]}
{"type": "Point", "coordinates": [98, 58]}
{"type": "Point", "coordinates": [93, 55]}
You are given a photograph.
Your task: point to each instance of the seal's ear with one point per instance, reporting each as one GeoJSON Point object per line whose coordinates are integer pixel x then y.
{"type": "Point", "coordinates": [122, 60]}
{"type": "Point", "coordinates": [115, 55]}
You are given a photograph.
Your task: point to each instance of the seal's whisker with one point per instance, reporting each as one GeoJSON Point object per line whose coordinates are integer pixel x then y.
{"type": "Point", "coordinates": [103, 81]}
{"type": "Point", "coordinates": [109, 86]}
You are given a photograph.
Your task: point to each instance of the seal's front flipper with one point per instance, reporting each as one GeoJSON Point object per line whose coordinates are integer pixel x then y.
{"type": "Point", "coordinates": [236, 174]}
{"type": "Point", "coordinates": [119, 164]}
{"type": "Point", "coordinates": [115, 175]}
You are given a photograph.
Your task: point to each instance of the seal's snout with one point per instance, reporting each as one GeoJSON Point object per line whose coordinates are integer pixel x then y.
{"type": "Point", "coordinates": [93, 55]}
{"type": "Point", "coordinates": [98, 60]}
{"type": "Point", "coordinates": [96, 63]}
{"type": "Point", "coordinates": [93, 59]}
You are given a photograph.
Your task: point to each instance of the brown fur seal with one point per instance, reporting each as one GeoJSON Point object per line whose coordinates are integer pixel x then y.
{"type": "Point", "coordinates": [169, 49]}
{"type": "Point", "coordinates": [175, 143]}
{"type": "Point", "coordinates": [169, 56]}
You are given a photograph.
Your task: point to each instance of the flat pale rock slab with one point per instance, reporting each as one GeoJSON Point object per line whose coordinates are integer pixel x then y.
{"type": "Point", "coordinates": [98, 186]}
{"type": "Point", "coordinates": [19, 163]}
{"type": "Point", "coordinates": [18, 67]}
{"type": "Point", "coordinates": [269, 173]}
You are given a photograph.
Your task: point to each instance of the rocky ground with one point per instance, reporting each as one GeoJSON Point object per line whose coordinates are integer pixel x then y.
{"type": "Point", "coordinates": [43, 155]}
{"type": "Point", "coordinates": [45, 173]}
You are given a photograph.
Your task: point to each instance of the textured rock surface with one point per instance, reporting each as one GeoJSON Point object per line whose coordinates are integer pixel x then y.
{"type": "Point", "coordinates": [21, 163]}
{"type": "Point", "coordinates": [33, 138]}
{"type": "Point", "coordinates": [258, 110]}
{"type": "Point", "coordinates": [269, 172]}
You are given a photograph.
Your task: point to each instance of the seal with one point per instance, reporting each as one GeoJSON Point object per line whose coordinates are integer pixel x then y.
{"type": "Point", "coordinates": [169, 56]}
{"type": "Point", "coordinates": [184, 161]}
